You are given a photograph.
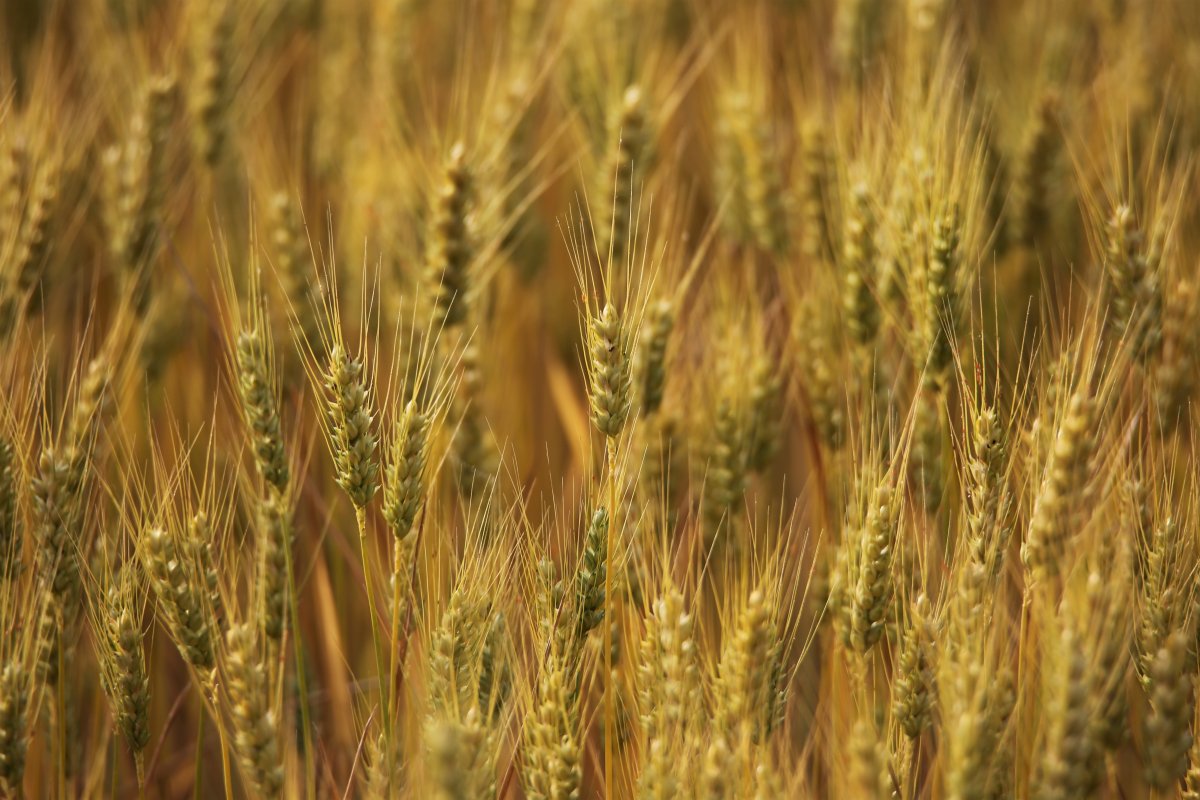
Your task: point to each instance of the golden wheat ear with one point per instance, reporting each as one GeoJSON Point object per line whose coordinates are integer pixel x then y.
{"type": "Point", "coordinates": [15, 689]}
{"type": "Point", "coordinates": [252, 716]}
{"type": "Point", "coordinates": [451, 241]}
{"type": "Point", "coordinates": [123, 673]}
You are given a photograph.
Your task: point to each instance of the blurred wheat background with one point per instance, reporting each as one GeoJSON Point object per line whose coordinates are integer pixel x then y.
{"type": "Point", "coordinates": [571, 399]}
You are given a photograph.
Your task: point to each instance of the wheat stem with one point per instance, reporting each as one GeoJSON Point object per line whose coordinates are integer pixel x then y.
{"type": "Point", "coordinates": [360, 516]}
{"type": "Point", "coordinates": [610, 688]}
{"type": "Point", "coordinates": [310, 767]}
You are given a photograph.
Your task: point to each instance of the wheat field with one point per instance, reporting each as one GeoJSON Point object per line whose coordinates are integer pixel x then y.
{"type": "Point", "coordinates": [570, 399]}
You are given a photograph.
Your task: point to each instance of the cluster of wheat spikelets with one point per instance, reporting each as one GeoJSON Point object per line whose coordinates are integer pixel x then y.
{"type": "Point", "coordinates": [576, 399]}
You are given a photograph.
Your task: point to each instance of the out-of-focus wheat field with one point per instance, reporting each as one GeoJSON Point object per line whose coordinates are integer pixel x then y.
{"type": "Point", "coordinates": [569, 399]}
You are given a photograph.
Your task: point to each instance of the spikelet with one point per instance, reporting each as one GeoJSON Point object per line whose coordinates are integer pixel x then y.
{"type": "Point", "coordinates": [1070, 764]}
{"type": "Point", "coordinates": [400, 582]}
{"type": "Point", "coordinates": [743, 673]}
{"type": "Point", "coordinates": [255, 726]}
{"type": "Point", "coordinates": [766, 202]}
{"type": "Point", "coordinates": [123, 664]}
{"type": "Point", "coordinates": [590, 581]}
{"type": "Point", "coordinates": [1191, 781]}
{"type": "Point", "coordinates": [56, 507]}
{"type": "Point", "coordinates": [717, 771]}
{"type": "Point", "coordinates": [58, 488]}
{"type": "Point", "coordinates": [925, 452]}
{"type": "Point", "coordinates": [763, 431]}
{"type": "Point", "coordinates": [816, 183]}
{"type": "Point", "coordinates": [914, 689]}
{"type": "Point", "coordinates": [53, 649]}
{"type": "Point", "coordinates": [1167, 737]}
{"type": "Point", "coordinates": [553, 752]}
{"type": "Point", "coordinates": [1124, 262]}
{"type": "Point", "coordinates": [260, 408]}
{"type": "Point", "coordinates": [550, 595]}
{"type": "Point", "coordinates": [451, 249]}
{"type": "Point", "coordinates": [83, 423]}
{"type": "Point", "coordinates": [495, 672]}
{"type": "Point", "coordinates": [1064, 483]}
{"type": "Point", "coordinates": [651, 359]}
{"type": "Point", "coordinates": [210, 86]}
{"type": "Point", "coordinates": [1109, 646]}
{"type": "Point", "coordinates": [1001, 706]}
{"type": "Point", "coordinates": [986, 501]}
{"type": "Point", "coordinates": [941, 299]}
{"type": "Point", "coordinates": [404, 477]}
{"type": "Point", "coordinates": [725, 475]}
{"type": "Point", "coordinates": [351, 440]}
{"type": "Point", "coordinates": [23, 263]}
{"type": "Point", "coordinates": [1175, 373]}
{"type": "Point", "coordinates": [871, 583]}
{"type": "Point", "coordinates": [460, 755]}
{"type": "Point", "coordinates": [858, 263]}
{"type": "Point", "coordinates": [137, 179]}
{"type": "Point", "coordinates": [1158, 596]}
{"type": "Point", "coordinates": [778, 691]}
{"type": "Point", "coordinates": [453, 651]}
{"type": "Point", "coordinates": [669, 684]}
{"type": "Point", "coordinates": [10, 538]}
{"type": "Point", "coordinates": [1131, 269]}
{"type": "Point", "coordinates": [274, 542]}
{"type": "Point", "coordinates": [659, 778]}
{"type": "Point", "coordinates": [294, 267]}
{"type": "Point", "coordinates": [729, 180]}
{"type": "Point", "coordinates": [15, 689]}
{"type": "Point", "coordinates": [1033, 175]}
{"type": "Point", "coordinates": [968, 609]}
{"type": "Point", "coordinates": [768, 783]}
{"type": "Point", "coordinates": [868, 773]}
{"type": "Point", "coordinates": [383, 769]}
{"type": "Point", "coordinates": [198, 544]}
{"type": "Point", "coordinates": [1057, 390]}
{"type": "Point", "coordinates": [976, 722]}
{"type": "Point", "coordinates": [609, 371]}
{"type": "Point", "coordinates": [14, 177]}
{"type": "Point", "coordinates": [749, 172]}
{"type": "Point", "coordinates": [626, 163]}
{"type": "Point", "coordinates": [475, 452]}
{"type": "Point", "coordinates": [181, 598]}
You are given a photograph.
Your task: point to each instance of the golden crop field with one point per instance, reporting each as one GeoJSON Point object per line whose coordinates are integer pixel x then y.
{"type": "Point", "coordinates": [571, 399]}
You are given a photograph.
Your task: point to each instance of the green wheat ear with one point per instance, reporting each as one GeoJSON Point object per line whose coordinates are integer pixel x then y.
{"type": "Point", "coordinates": [590, 599]}
{"type": "Point", "coordinates": [610, 371]}
{"type": "Point", "coordinates": [873, 585]}
{"type": "Point", "coordinates": [350, 415]}
{"type": "Point", "coordinates": [259, 407]}
{"type": "Point", "coordinates": [404, 484]}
